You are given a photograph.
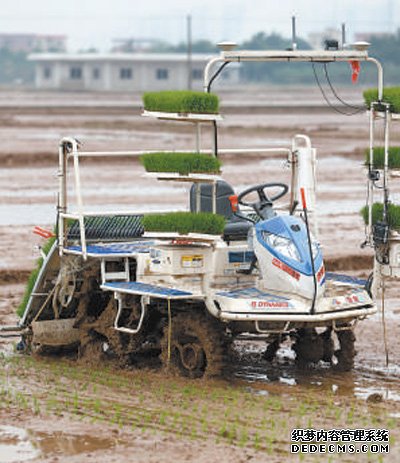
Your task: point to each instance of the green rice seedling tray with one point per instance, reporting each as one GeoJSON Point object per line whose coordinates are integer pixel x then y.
{"type": "Point", "coordinates": [377, 215]}
{"type": "Point", "coordinates": [185, 223]}
{"type": "Point", "coordinates": [182, 163]}
{"type": "Point", "coordinates": [390, 95]}
{"type": "Point", "coordinates": [379, 157]}
{"type": "Point", "coordinates": [181, 101]}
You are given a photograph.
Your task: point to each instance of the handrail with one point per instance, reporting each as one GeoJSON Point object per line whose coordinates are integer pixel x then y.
{"type": "Point", "coordinates": [203, 151]}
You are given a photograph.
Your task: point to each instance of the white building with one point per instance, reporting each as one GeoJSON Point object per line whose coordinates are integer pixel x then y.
{"type": "Point", "coordinates": [122, 71]}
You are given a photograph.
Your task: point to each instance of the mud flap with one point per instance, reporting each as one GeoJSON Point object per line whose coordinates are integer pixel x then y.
{"type": "Point", "coordinates": [55, 332]}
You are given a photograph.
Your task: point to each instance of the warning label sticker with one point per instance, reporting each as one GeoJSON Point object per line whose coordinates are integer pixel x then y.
{"type": "Point", "coordinates": [193, 261]}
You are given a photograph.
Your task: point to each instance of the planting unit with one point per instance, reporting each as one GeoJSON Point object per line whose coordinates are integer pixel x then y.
{"type": "Point", "coordinates": [383, 163]}
{"type": "Point", "coordinates": [190, 284]}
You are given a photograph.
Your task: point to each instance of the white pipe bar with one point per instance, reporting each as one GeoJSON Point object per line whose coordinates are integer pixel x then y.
{"type": "Point", "coordinates": [294, 55]}
{"type": "Point", "coordinates": [204, 151]}
{"type": "Point", "coordinates": [318, 317]}
{"type": "Point", "coordinates": [62, 196]}
{"type": "Point", "coordinates": [79, 201]}
{"type": "Point", "coordinates": [380, 77]}
{"type": "Point", "coordinates": [122, 328]}
{"type": "Point", "coordinates": [107, 213]}
{"type": "Point", "coordinates": [386, 162]}
{"type": "Point", "coordinates": [371, 166]}
{"type": "Point", "coordinates": [207, 71]}
{"type": "Point", "coordinates": [63, 192]}
{"type": "Point", "coordinates": [69, 215]}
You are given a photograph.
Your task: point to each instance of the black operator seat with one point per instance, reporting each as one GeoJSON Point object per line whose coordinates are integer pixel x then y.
{"type": "Point", "coordinates": [236, 229]}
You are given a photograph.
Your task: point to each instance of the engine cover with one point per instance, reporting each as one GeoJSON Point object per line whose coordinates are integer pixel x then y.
{"type": "Point", "coordinates": [284, 259]}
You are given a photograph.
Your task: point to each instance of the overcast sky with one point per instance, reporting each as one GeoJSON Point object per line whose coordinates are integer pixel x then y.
{"type": "Point", "coordinates": [97, 22]}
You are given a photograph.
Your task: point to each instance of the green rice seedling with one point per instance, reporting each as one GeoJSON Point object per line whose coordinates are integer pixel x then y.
{"type": "Point", "coordinates": [379, 157]}
{"type": "Point", "coordinates": [33, 277]}
{"type": "Point", "coordinates": [222, 432]}
{"type": "Point", "coordinates": [183, 163]}
{"type": "Point", "coordinates": [270, 444]}
{"type": "Point", "coordinates": [75, 402]}
{"type": "Point", "coordinates": [185, 222]}
{"type": "Point", "coordinates": [377, 214]}
{"type": "Point", "coordinates": [350, 415]}
{"type": "Point", "coordinates": [181, 101]}
{"type": "Point", "coordinates": [194, 434]}
{"type": "Point", "coordinates": [391, 95]}
{"type": "Point", "coordinates": [35, 406]}
{"type": "Point", "coordinates": [97, 406]}
{"type": "Point", "coordinates": [244, 437]}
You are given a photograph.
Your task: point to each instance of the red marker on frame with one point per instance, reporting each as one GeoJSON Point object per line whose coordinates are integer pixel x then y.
{"type": "Point", "coordinates": [303, 198]}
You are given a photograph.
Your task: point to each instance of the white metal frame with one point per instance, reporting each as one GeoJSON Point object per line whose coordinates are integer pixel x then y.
{"type": "Point", "coordinates": [309, 56]}
{"type": "Point", "coordinates": [69, 148]}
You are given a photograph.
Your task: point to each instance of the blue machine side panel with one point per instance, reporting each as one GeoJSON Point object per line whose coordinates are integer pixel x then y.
{"type": "Point", "coordinates": [115, 248]}
{"type": "Point", "coordinates": [144, 289]}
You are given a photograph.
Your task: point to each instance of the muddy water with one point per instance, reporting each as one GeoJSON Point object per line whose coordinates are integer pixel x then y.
{"type": "Point", "coordinates": [18, 445]}
{"type": "Point", "coordinates": [283, 375]}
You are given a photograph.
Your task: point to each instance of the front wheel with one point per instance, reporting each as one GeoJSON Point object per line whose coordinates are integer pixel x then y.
{"type": "Point", "coordinates": [195, 347]}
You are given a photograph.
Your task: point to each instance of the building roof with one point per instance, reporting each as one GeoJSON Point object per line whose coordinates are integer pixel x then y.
{"type": "Point", "coordinates": [136, 57]}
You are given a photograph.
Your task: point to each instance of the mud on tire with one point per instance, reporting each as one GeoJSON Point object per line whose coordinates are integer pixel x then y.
{"type": "Point", "coordinates": [198, 348]}
{"type": "Point", "coordinates": [346, 353]}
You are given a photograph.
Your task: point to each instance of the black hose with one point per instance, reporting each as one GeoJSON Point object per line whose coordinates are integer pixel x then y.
{"type": "Point", "coordinates": [217, 73]}
{"type": "Point", "coordinates": [312, 311]}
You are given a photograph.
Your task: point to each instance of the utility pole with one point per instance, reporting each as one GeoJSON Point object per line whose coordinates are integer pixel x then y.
{"type": "Point", "coordinates": [189, 51]}
{"type": "Point", "coordinates": [343, 35]}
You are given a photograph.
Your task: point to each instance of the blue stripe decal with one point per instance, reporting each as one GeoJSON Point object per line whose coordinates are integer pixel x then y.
{"type": "Point", "coordinates": [251, 293]}
{"type": "Point", "coordinates": [345, 279]}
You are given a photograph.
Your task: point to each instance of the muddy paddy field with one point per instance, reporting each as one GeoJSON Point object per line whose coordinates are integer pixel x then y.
{"type": "Point", "coordinates": [53, 409]}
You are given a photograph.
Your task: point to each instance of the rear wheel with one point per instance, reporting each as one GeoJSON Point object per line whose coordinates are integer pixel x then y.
{"type": "Point", "coordinates": [346, 352]}
{"type": "Point", "coordinates": [196, 347]}
{"type": "Point", "coordinates": [100, 333]}
{"type": "Point", "coordinates": [309, 347]}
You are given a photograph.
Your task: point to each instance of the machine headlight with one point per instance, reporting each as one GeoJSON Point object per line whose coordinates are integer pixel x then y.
{"type": "Point", "coordinates": [282, 245]}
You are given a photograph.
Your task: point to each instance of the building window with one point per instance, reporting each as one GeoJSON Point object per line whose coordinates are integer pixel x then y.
{"type": "Point", "coordinates": [96, 73]}
{"type": "Point", "coordinates": [75, 73]}
{"type": "Point", "coordinates": [197, 74]}
{"type": "Point", "coordinates": [47, 73]}
{"type": "Point", "coordinates": [162, 74]}
{"type": "Point", "coordinates": [125, 73]}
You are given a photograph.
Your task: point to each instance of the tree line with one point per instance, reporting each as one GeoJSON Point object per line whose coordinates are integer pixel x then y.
{"type": "Point", "coordinates": [16, 68]}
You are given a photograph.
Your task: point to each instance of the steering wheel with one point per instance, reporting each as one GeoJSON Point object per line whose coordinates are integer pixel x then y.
{"type": "Point", "coordinates": [264, 201]}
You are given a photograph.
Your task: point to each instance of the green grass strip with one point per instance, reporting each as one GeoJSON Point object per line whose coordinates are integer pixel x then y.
{"type": "Point", "coordinates": [33, 277]}
{"type": "Point", "coordinates": [379, 157]}
{"type": "Point", "coordinates": [377, 214]}
{"type": "Point", "coordinates": [184, 163]}
{"type": "Point", "coordinates": [185, 222]}
{"type": "Point", "coordinates": [390, 95]}
{"type": "Point", "coordinates": [181, 101]}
